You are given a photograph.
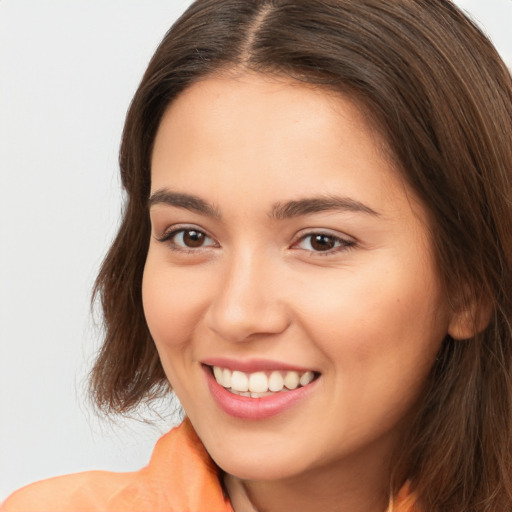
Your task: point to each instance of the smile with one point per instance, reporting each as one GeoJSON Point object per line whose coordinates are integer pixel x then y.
{"type": "Point", "coordinates": [261, 384]}
{"type": "Point", "coordinates": [261, 393]}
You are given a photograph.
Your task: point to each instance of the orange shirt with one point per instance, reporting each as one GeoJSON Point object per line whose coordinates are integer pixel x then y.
{"type": "Point", "coordinates": [180, 477]}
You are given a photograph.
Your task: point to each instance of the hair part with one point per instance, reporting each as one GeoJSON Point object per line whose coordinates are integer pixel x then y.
{"type": "Point", "coordinates": [436, 89]}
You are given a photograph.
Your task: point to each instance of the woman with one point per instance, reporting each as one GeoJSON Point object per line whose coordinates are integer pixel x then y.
{"type": "Point", "coordinates": [316, 256]}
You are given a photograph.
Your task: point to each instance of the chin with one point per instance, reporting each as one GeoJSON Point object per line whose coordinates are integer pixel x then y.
{"type": "Point", "coordinates": [260, 466]}
{"type": "Point", "coordinates": [249, 470]}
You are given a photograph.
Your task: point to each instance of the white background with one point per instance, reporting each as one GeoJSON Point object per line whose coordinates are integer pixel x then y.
{"type": "Point", "coordinates": [68, 69]}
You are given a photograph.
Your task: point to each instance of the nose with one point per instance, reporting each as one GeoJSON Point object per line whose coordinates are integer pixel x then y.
{"type": "Point", "coordinates": [249, 301]}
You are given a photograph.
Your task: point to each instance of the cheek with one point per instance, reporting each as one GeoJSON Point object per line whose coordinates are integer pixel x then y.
{"type": "Point", "coordinates": [172, 302]}
{"type": "Point", "coordinates": [385, 316]}
{"type": "Point", "coordinates": [380, 338]}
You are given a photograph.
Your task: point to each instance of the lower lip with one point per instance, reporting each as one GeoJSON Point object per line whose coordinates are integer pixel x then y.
{"type": "Point", "coordinates": [255, 408]}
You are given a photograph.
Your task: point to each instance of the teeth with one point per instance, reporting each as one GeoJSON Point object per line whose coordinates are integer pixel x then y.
{"type": "Point", "coordinates": [306, 378]}
{"type": "Point", "coordinates": [239, 381]}
{"type": "Point", "coordinates": [226, 378]}
{"type": "Point", "coordinates": [260, 384]}
{"type": "Point", "coordinates": [275, 381]}
{"type": "Point", "coordinates": [291, 380]}
{"type": "Point", "coordinates": [260, 395]}
{"type": "Point", "coordinates": [218, 373]}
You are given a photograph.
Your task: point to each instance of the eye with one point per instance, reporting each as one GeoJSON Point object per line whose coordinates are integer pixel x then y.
{"type": "Point", "coordinates": [187, 238]}
{"type": "Point", "coordinates": [323, 242]}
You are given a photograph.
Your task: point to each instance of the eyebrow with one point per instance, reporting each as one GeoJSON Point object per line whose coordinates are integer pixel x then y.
{"type": "Point", "coordinates": [186, 201]}
{"type": "Point", "coordinates": [280, 211]}
{"type": "Point", "coordinates": [311, 205]}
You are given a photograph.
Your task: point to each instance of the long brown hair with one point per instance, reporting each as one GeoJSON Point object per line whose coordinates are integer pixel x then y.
{"type": "Point", "coordinates": [439, 93]}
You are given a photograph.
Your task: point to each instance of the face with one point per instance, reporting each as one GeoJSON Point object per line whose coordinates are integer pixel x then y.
{"type": "Point", "coordinates": [290, 285]}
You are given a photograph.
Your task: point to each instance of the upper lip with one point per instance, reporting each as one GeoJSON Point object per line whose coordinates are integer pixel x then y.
{"type": "Point", "coordinates": [253, 365]}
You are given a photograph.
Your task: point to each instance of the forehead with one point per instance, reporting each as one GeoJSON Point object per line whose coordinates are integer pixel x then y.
{"type": "Point", "coordinates": [259, 137]}
{"type": "Point", "coordinates": [230, 97]}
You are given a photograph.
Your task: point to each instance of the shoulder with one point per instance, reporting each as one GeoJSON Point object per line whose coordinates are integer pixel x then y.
{"type": "Point", "coordinates": [180, 476]}
{"type": "Point", "coordinates": [81, 491]}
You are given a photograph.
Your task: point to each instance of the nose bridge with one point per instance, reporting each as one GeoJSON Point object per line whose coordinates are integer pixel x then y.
{"type": "Point", "coordinates": [248, 300]}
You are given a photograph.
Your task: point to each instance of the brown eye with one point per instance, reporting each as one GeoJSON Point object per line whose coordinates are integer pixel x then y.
{"type": "Point", "coordinates": [322, 242]}
{"type": "Point", "coordinates": [192, 238]}
{"type": "Point", "coordinates": [183, 239]}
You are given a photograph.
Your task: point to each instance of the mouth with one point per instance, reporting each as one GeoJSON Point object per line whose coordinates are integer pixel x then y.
{"type": "Point", "coordinates": [261, 384]}
{"type": "Point", "coordinates": [260, 392]}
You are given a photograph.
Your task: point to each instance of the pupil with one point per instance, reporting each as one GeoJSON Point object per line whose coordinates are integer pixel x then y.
{"type": "Point", "coordinates": [322, 242]}
{"type": "Point", "coordinates": [193, 238]}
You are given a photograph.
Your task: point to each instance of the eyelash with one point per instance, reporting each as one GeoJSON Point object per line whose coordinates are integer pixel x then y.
{"type": "Point", "coordinates": [340, 244]}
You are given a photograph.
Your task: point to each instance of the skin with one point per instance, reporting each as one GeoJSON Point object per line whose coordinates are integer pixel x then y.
{"type": "Point", "coordinates": [369, 314]}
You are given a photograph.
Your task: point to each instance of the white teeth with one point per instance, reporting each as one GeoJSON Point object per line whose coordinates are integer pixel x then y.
{"type": "Point", "coordinates": [275, 382]}
{"type": "Point", "coordinates": [258, 384]}
{"type": "Point", "coordinates": [226, 378]}
{"type": "Point", "coordinates": [291, 380]}
{"type": "Point", "coordinates": [218, 372]}
{"type": "Point", "coordinates": [260, 395]}
{"type": "Point", "coordinates": [306, 378]}
{"type": "Point", "coordinates": [239, 381]}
